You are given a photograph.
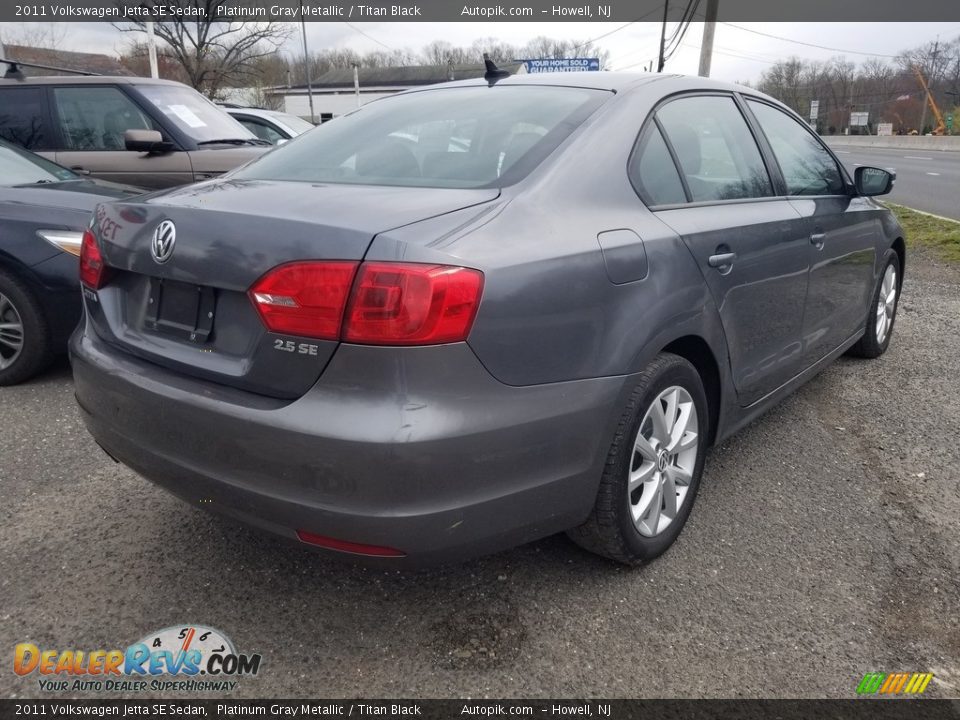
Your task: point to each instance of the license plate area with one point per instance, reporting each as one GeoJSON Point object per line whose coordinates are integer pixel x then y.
{"type": "Point", "coordinates": [181, 310]}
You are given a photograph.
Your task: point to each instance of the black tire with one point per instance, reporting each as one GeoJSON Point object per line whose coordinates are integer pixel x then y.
{"type": "Point", "coordinates": [868, 346]}
{"type": "Point", "coordinates": [610, 530]}
{"type": "Point", "coordinates": [36, 352]}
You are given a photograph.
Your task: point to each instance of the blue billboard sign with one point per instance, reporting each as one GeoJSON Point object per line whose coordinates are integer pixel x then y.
{"type": "Point", "coordinates": [543, 65]}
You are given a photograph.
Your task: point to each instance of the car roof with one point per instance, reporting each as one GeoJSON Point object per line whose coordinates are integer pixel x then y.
{"type": "Point", "coordinates": [89, 80]}
{"type": "Point", "coordinates": [257, 112]}
{"type": "Point", "coordinates": [603, 80]}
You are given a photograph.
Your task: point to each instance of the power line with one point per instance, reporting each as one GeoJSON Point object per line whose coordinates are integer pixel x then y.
{"type": "Point", "coordinates": [681, 30]}
{"type": "Point", "coordinates": [801, 42]}
{"type": "Point", "coordinates": [615, 30]}
{"type": "Point", "coordinates": [600, 37]}
{"type": "Point", "coordinates": [726, 51]}
{"type": "Point", "coordinates": [369, 37]}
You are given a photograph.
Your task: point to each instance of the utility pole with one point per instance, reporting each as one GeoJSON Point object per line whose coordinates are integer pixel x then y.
{"type": "Point", "coordinates": [152, 50]}
{"type": "Point", "coordinates": [306, 64]}
{"type": "Point", "coordinates": [663, 35]}
{"type": "Point", "coordinates": [3, 66]}
{"type": "Point", "coordinates": [356, 81]}
{"type": "Point", "coordinates": [706, 47]}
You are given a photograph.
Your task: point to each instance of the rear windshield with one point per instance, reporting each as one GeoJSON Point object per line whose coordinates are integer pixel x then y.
{"type": "Point", "coordinates": [293, 122]}
{"type": "Point", "coordinates": [456, 137]}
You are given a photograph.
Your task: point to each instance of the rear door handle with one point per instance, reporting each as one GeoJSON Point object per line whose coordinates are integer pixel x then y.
{"type": "Point", "coordinates": [817, 239]}
{"type": "Point", "coordinates": [721, 260]}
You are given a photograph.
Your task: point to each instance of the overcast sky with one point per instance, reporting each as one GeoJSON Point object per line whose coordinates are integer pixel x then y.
{"type": "Point", "coordinates": [738, 53]}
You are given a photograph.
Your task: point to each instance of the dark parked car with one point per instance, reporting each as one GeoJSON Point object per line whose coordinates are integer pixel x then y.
{"type": "Point", "coordinates": [44, 209]}
{"type": "Point", "coordinates": [143, 132]}
{"type": "Point", "coordinates": [540, 327]}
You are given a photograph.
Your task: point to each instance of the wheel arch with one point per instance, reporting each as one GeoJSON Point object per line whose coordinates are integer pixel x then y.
{"type": "Point", "coordinates": [695, 350]}
{"type": "Point", "coordinates": [900, 247]}
{"type": "Point", "coordinates": [12, 266]}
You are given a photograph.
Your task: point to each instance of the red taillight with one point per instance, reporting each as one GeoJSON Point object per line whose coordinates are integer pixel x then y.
{"type": "Point", "coordinates": [390, 303]}
{"type": "Point", "coordinates": [347, 546]}
{"type": "Point", "coordinates": [411, 304]}
{"type": "Point", "coordinates": [93, 272]}
{"type": "Point", "coordinates": [305, 298]}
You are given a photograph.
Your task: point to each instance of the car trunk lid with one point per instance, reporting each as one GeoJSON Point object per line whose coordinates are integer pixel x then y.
{"type": "Point", "coordinates": [191, 311]}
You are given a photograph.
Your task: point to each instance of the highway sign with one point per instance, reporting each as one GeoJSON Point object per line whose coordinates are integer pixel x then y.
{"type": "Point", "coordinates": [859, 119]}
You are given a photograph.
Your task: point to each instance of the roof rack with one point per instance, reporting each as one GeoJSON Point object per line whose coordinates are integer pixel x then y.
{"type": "Point", "coordinates": [13, 72]}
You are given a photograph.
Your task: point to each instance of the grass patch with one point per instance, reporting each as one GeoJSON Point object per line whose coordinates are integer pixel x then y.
{"type": "Point", "coordinates": [942, 236]}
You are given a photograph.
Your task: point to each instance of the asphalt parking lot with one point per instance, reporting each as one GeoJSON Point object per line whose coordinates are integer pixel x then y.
{"type": "Point", "coordinates": [825, 544]}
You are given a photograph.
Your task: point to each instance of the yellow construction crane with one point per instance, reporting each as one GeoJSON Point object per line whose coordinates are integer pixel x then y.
{"type": "Point", "coordinates": [941, 127]}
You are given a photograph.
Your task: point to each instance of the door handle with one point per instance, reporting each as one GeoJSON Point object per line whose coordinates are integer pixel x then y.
{"type": "Point", "coordinates": [817, 239]}
{"type": "Point", "coordinates": [721, 260]}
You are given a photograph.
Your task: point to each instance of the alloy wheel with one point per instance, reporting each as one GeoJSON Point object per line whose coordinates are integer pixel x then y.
{"type": "Point", "coordinates": [886, 303]}
{"type": "Point", "coordinates": [663, 461]}
{"type": "Point", "coordinates": [11, 333]}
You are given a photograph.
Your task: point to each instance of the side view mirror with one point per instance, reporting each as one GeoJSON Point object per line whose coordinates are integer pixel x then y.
{"type": "Point", "coordinates": [873, 181]}
{"type": "Point", "coordinates": [283, 141]}
{"type": "Point", "coordinates": [145, 141]}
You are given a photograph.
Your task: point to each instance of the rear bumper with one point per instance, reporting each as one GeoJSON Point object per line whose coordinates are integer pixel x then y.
{"type": "Point", "coordinates": [418, 449]}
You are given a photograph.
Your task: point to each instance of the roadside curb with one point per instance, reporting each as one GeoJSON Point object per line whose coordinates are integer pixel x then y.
{"type": "Point", "coordinates": [922, 212]}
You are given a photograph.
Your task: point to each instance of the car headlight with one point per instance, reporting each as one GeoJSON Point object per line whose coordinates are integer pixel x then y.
{"type": "Point", "coordinates": [66, 240]}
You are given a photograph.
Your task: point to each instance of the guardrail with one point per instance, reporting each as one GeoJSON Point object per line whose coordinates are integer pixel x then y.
{"type": "Point", "coordinates": [926, 143]}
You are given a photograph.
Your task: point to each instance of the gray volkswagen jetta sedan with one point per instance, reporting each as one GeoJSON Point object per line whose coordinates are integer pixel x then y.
{"type": "Point", "coordinates": [469, 316]}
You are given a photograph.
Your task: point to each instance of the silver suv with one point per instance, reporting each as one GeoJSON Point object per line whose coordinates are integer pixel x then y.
{"type": "Point", "coordinates": [139, 131]}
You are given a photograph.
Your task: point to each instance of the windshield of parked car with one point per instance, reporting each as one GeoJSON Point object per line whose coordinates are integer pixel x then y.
{"type": "Point", "coordinates": [462, 137]}
{"type": "Point", "coordinates": [192, 113]}
{"type": "Point", "coordinates": [19, 167]}
{"type": "Point", "coordinates": [293, 122]}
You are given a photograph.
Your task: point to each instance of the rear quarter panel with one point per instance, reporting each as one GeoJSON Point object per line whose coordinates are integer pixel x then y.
{"type": "Point", "coordinates": [550, 311]}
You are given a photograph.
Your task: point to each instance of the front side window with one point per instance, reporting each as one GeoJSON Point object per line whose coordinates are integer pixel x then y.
{"type": "Point", "coordinates": [718, 155]}
{"type": "Point", "coordinates": [807, 167]}
{"type": "Point", "coordinates": [458, 138]}
{"type": "Point", "coordinates": [21, 113]}
{"type": "Point", "coordinates": [95, 118]}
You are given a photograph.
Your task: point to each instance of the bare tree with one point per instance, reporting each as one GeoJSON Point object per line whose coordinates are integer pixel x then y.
{"type": "Point", "coordinates": [216, 54]}
{"type": "Point", "coordinates": [49, 35]}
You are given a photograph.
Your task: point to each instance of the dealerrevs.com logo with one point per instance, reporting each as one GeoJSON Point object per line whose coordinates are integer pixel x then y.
{"type": "Point", "coordinates": [179, 658]}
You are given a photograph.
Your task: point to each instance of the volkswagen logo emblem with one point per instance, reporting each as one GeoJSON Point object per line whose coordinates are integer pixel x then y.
{"type": "Point", "coordinates": [164, 238]}
{"type": "Point", "coordinates": [662, 460]}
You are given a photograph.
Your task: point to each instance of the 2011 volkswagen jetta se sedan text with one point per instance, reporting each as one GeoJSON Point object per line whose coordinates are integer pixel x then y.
{"type": "Point", "coordinates": [466, 317]}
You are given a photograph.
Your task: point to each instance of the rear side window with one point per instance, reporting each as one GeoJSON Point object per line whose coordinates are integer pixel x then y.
{"type": "Point", "coordinates": [718, 156]}
{"type": "Point", "coordinates": [807, 167]}
{"type": "Point", "coordinates": [21, 113]}
{"type": "Point", "coordinates": [458, 138]}
{"type": "Point", "coordinates": [652, 172]}
{"type": "Point", "coordinates": [95, 118]}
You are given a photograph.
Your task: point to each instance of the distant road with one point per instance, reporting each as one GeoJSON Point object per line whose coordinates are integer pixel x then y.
{"type": "Point", "coordinates": [926, 180]}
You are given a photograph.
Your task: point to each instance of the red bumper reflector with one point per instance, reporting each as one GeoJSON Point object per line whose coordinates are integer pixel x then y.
{"type": "Point", "coordinates": [346, 546]}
